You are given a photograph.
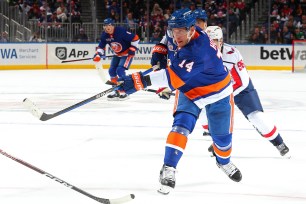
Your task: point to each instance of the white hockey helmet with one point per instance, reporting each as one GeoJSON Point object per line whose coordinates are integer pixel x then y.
{"type": "Point", "coordinates": [214, 32]}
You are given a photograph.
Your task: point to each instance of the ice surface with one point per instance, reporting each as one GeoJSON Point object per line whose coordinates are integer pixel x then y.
{"type": "Point", "coordinates": [110, 149]}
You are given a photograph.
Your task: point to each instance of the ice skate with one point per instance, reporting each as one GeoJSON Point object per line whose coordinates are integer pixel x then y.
{"type": "Point", "coordinates": [166, 179]}
{"type": "Point", "coordinates": [206, 133]}
{"type": "Point", "coordinates": [113, 96]}
{"type": "Point", "coordinates": [211, 151]}
{"type": "Point", "coordinates": [283, 150]}
{"type": "Point", "coordinates": [123, 96]}
{"type": "Point", "coordinates": [231, 171]}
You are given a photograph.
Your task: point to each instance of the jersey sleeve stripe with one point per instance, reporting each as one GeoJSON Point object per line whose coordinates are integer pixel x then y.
{"type": "Point", "coordinates": [207, 90]}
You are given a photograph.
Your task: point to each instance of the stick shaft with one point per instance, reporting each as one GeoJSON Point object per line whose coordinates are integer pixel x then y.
{"type": "Point", "coordinates": [76, 60]}
{"type": "Point", "coordinates": [30, 166]}
{"type": "Point", "coordinates": [44, 116]}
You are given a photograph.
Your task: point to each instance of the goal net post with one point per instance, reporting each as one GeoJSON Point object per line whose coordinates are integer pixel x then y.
{"type": "Point", "coordinates": [299, 56]}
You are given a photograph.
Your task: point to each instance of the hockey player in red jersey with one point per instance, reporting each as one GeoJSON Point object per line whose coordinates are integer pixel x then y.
{"type": "Point", "coordinates": [124, 44]}
{"type": "Point", "coordinates": [245, 95]}
{"type": "Point", "coordinates": [197, 71]}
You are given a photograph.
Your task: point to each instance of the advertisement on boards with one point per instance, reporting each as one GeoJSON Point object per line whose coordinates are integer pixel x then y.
{"type": "Point", "coordinates": [22, 56]}
{"type": "Point", "coordinates": [51, 56]}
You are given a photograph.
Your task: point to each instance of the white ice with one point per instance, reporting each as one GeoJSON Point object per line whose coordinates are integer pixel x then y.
{"type": "Point", "coordinates": [110, 149]}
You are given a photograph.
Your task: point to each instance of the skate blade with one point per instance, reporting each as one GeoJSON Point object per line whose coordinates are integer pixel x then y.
{"type": "Point", "coordinates": [113, 99]}
{"type": "Point", "coordinates": [287, 156]}
{"type": "Point", "coordinates": [165, 190]}
{"type": "Point", "coordinates": [123, 99]}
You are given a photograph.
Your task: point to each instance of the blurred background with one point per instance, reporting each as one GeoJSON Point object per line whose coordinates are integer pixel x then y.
{"type": "Point", "coordinates": [242, 21]}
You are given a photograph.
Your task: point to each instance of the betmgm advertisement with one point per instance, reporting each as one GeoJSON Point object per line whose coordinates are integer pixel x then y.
{"type": "Point", "coordinates": [51, 55]}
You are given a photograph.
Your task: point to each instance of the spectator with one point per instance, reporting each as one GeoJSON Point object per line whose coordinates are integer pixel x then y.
{"type": "Point", "coordinates": [61, 12]}
{"type": "Point", "coordinates": [167, 14]}
{"type": "Point", "coordinates": [24, 7]}
{"type": "Point", "coordinates": [131, 22]}
{"type": "Point", "coordinates": [55, 22]}
{"type": "Point", "coordinates": [233, 20]}
{"type": "Point", "coordinates": [114, 7]}
{"type": "Point", "coordinates": [36, 37]}
{"type": "Point", "coordinates": [298, 34]}
{"type": "Point", "coordinates": [257, 37]}
{"type": "Point", "coordinates": [156, 10]}
{"type": "Point", "coordinates": [46, 7]}
{"type": "Point", "coordinates": [274, 35]}
{"type": "Point", "coordinates": [112, 14]}
{"type": "Point", "coordinates": [155, 39]}
{"type": "Point", "coordinates": [287, 36]}
{"type": "Point", "coordinates": [212, 21]}
{"type": "Point", "coordinates": [4, 37]}
{"type": "Point", "coordinates": [286, 10]}
{"type": "Point", "coordinates": [43, 18]}
{"type": "Point", "coordinates": [81, 37]}
{"type": "Point", "coordinates": [75, 15]}
{"type": "Point", "coordinates": [35, 12]}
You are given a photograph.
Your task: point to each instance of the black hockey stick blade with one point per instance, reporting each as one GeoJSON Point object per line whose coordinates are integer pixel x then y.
{"type": "Point", "coordinates": [100, 200]}
{"type": "Point", "coordinates": [44, 116]}
{"type": "Point", "coordinates": [108, 82]}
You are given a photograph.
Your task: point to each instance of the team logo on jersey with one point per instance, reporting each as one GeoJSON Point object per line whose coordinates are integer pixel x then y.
{"type": "Point", "coordinates": [231, 51]}
{"type": "Point", "coordinates": [170, 46]}
{"type": "Point", "coordinates": [117, 47]}
{"type": "Point", "coordinates": [61, 53]}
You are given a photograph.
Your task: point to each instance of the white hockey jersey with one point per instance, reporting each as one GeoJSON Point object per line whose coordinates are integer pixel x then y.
{"type": "Point", "coordinates": [233, 61]}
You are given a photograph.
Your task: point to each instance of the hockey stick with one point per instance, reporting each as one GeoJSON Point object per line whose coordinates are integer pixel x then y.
{"type": "Point", "coordinates": [76, 60]}
{"type": "Point", "coordinates": [44, 116]}
{"type": "Point", "coordinates": [99, 68]}
{"type": "Point", "coordinates": [154, 91]}
{"type": "Point", "coordinates": [100, 200]}
{"type": "Point", "coordinates": [101, 73]}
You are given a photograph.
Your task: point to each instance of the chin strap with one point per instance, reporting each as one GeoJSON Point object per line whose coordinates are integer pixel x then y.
{"type": "Point", "coordinates": [190, 35]}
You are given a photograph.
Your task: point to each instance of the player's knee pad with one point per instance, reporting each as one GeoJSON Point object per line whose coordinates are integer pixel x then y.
{"type": "Point", "coordinates": [180, 130]}
{"type": "Point", "coordinates": [185, 120]}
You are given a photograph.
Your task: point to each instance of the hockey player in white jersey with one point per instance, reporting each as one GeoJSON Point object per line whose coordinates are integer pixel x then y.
{"type": "Point", "coordinates": [245, 95]}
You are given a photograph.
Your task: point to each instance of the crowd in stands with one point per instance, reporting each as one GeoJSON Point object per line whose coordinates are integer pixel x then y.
{"type": "Point", "coordinates": [135, 13]}
{"type": "Point", "coordinates": [52, 12]}
{"type": "Point", "coordinates": [288, 22]}
{"type": "Point", "coordinates": [287, 17]}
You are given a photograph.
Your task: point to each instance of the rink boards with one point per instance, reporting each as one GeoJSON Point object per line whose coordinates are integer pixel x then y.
{"type": "Point", "coordinates": [16, 56]}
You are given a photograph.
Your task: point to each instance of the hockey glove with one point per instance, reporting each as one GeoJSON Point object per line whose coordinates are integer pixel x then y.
{"type": "Point", "coordinates": [134, 82]}
{"type": "Point", "coordinates": [99, 54]}
{"type": "Point", "coordinates": [159, 55]}
{"type": "Point", "coordinates": [164, 93]}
